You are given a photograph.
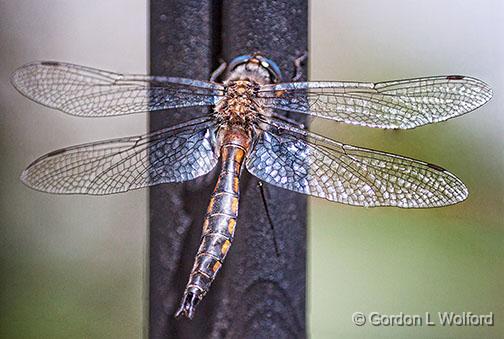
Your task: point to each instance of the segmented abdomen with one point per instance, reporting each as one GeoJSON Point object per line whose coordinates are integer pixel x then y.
{"type": "Point", "coordinates": [220, 221]}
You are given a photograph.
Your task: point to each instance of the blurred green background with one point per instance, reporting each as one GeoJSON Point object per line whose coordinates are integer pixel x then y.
{"type": "Point", "coordinates": [74, 266]}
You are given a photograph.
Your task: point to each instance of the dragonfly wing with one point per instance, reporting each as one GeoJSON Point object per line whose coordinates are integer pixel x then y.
{"type": "Point", "coordinates": [174, 154]}
{"type": "Point", "coordinates": [89, 92]}
{"type": "Point", "coordinates": [305, 162]}
{"type": "Point", "coordinates": [400, 104]}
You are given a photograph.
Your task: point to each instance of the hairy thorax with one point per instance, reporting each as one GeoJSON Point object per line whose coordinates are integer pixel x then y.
{"type": "Point", "coordinates": [240, 105]}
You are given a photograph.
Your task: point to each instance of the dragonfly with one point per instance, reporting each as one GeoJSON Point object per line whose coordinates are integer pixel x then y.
{"type": "Point", "coordinates": [246, 129]}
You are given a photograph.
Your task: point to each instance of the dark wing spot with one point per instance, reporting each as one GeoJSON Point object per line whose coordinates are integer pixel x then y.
{"type": "Point", "coordinates": [53, 153]}
{"type": "Point", "coordinates": [50, 63]}
{"type": "Point", "coordinates": [50, 154]}
{"type": "Point", "coordinates": [436, 167]}
{"type": "Point", "coordinates": [455, 77]}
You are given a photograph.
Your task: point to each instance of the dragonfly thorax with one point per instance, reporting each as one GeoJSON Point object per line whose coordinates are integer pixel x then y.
{"type": "Point", "coordinates": [240, 105]}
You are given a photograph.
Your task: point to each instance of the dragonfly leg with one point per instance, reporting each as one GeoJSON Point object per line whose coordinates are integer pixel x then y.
{"type": "Point", "coordinates": [289, 120]}
{"type": "Point", "coordinates": [265, 204]}
{"type": "Point", "coordinates": [298, 69]}
{"type": "Point", "coordinates": [218, 72]}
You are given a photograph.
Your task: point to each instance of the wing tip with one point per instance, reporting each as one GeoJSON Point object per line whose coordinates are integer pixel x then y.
{"type": "Point", "coordinates": [29, 179]}
{"type": "Point", "coordinates": [459, 191]}
{"type": "Point", "coordinates": [24, 177]}
{"type": "Point", "coordinates": [26, 180]}
{"type": "Point", "coordinates": [15, 77]}
{"type": "Point", "coordinates": [486, 89]}
{"type": "Point", "coordinates": [460, 194]}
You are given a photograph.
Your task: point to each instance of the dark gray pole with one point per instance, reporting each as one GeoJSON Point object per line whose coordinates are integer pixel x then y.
{"type": "Point", "coordinates": [256, 294]}
{"type": "Point", "coordinates": [181, 44]}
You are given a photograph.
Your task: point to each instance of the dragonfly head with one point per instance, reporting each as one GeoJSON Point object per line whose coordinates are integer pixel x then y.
{"type": "Point", "coordinates": [254, 67]}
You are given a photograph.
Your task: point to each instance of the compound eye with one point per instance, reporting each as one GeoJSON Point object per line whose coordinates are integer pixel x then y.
{"type": "Point", "coordinates": [272, 68]}
{"type": "Point", "coordinates": [242, 59]}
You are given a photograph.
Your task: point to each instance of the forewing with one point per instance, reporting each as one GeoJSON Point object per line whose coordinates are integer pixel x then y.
{"type": "Point", "coordinates": [89, 92]}
{"type": "Point", "coordinates": [400, 104]}
{"type": "Point", "coordinates": [304, 162]}
{"type": "Point", "coordinates": [174, 154]}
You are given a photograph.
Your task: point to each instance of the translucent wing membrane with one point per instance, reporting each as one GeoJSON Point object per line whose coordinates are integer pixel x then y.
{"type": "Point", "coordinates": [305, 162]}
{"type": "Point", "coordinates": [84, 91]}
{"type": "Point", "coordinates": [398, 104]}
{"type": "Point", "coordinates": [174, 154]}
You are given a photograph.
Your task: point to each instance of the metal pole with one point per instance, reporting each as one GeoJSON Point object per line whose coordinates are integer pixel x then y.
{"type": "Point", "coordinates": [256, 294]}
{"type": "Point", "coordinates": [181, 44]}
